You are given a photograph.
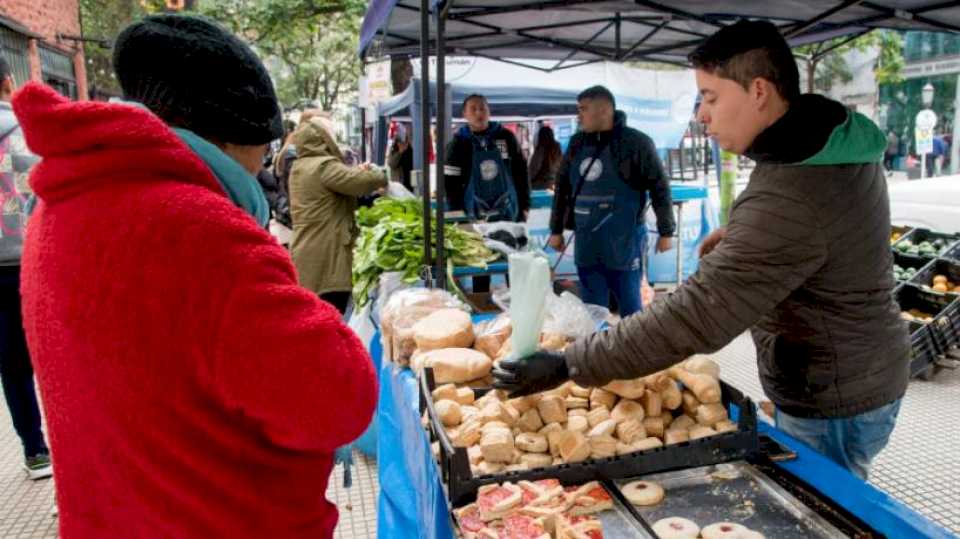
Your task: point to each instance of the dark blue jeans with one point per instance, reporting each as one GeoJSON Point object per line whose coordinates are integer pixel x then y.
{"type": "Point", "coordinates": [596, 283]}
{"type": "Point", "coordinates": [16, 372]}
{"type": "Point", "coordinates": [851, 442]}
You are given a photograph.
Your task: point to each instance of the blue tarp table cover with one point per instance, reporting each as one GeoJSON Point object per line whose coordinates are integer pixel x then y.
{"type": "Point", "coordinates": [412, 503]}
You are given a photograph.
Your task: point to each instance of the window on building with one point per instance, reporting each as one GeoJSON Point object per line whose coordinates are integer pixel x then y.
{"type": "Point", "coordinates": [58, 73]}
{"type": "Point", "coordinates": [14, 47]}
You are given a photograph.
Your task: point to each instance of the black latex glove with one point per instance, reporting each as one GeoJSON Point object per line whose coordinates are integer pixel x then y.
{"type": "Point", "coordinates": [532, 374]}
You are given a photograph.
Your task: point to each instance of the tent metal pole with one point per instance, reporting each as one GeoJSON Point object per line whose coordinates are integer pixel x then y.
{"type": "Point", "coordinates": [642, 40]}
{"type": "Point", "coordinates": [596, 34]}
{"type": "Point", "coordinates": [441, 12]}
{"type": "Point", "coordinates": [616, 36]}
{"type": "Point", "coordinates": [425, 135]}
{"type": "Point", "coordinates": [533, 6]}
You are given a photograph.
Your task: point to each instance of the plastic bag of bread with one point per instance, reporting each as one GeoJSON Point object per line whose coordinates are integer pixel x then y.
{"type": "Point", "coordinates": [453, 365]}
{"type": "Point", "coordinates": [402, 310]}
{"type": "Point", "coordinates": [491, 334]}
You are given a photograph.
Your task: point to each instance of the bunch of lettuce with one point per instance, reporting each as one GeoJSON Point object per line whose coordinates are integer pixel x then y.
{"type": "Point", "coordinates": [391, 240]}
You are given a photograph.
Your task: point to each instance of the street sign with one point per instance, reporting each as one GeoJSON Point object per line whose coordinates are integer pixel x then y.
{"type": "Point", "coordinates": [924, 140]}
{"type": "Point", "coordinates": [926, 119]}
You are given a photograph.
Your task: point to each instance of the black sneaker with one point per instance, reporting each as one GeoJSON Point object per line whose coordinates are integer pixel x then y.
{"type": "Point", "coordinates": [38, 466]}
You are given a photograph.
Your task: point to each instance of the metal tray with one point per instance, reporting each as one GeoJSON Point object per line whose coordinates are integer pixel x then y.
{"type": "Point", "coordinates": [734, 492]}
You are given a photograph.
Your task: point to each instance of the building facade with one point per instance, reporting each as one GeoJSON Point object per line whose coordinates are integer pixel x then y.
{"type": "Point", "coordinates": [42, 41]}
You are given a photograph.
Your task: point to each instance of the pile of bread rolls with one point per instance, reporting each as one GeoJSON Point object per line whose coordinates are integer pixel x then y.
{"type": "Point", "coordinates": [573, 423]}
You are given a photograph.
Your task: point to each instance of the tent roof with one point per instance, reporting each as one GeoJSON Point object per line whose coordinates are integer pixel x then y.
{"type": "Point", "coordinates": [504, 101]}
{"type": "Point", "coordinates": [576, 31]}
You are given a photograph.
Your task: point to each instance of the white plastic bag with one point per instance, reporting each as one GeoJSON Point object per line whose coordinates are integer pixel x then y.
{"type": "Point", "coordinates": [398, 191]}
{"type": "Point", "coordinates": [530, 284]}
{"type": "Point", "coordinates": [567, 315]}
{"type": "Point", "coordinates": [362, 324]}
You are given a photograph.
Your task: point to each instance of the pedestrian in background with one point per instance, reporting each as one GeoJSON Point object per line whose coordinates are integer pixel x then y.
{"type": "Point", "coordinates": [323, 200]}
{"type": "Point", "coordinates": [546, 160]}
{"type": "Point", "coordinates": [191, 387]}
{"type": "Point", "coordinates": [15, 369]}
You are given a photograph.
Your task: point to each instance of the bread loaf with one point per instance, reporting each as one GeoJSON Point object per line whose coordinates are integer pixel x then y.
{"type": "Point", "coordinates": [675, 436]}
{"type": "Point", "coordinates": [671, 396]}
{"type": "Point", "coordinates": [497, 446]}
{"type": "Point", "coordinates": [702, 365]}
{"type": "Point", "coordinates": [446, 391]}
{"type": "Point", "coordinates": [604, 428]}
{"type": "Point", "coordinates": [701, 431]}
{"type": "Point", "coordinates": [455, 365]}
{"type": "Point", "coordinates": [684, 422]}
{"type": "Point", "coordinates": [446, 328]}
{"type": "Point", "coordinates": [690, 403]}
{"type": "Point", "coordinates": [652, 405]}
{"type": "Point", "coordinates": [536, 460]}
{"type": "Point", "coordinates": [602, 446]}
{"type": "Point", "coordinates": [464, 395]}
{"type": "Point", "coordinates": [653, 426]}
{"type": "Point", "coordinates": [578, 423]}
{"type": "Point", "coordinates": [597, 415]}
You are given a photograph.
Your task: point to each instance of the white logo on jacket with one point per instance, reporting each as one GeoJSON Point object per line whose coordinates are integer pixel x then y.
{"type": "Point", "coordinates": [488, 169]}
{"type": "Point", "coordinates": [595, 171]}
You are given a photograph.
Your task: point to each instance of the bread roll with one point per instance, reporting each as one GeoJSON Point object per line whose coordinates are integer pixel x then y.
{"type": "Point", "coordinates": [671, 396]}
{"type": "Point", "coordinates": [532, 443]}
{"type": "Point", "coordinates": [445, 392]}
{"type": "Point", "coordinates": [536, 460]}
{"type": "Point", "coordinates": [582, 392]}
{"type": "Point", "coordinates": [652, 405]}
{"type": "Point", "coordinates": [573, 446]}
{"type": "Point", "coordinates": [530, 421]}
{"type": "Point", "coordinates": [602, 397]}
{"type": "Point", "coordinates": [701, 431]}
{"type": "Point", "coordinates": [675, 436]}
{"type": "Point", "coordinates": [446, 328]}
{"type": "Point", "coordinates": [627, 389]}
{"type": "Point", "coordinates": [684, 422]}
{"type": "Point", "coordinates": [630, 430]}
{"type": "Point", "coordinates": [711, 414]}
{"type": "Point", "coordinates": [602, 446]}
{"type": "Point", "coordinates": [627, 409]}
{"type": "Point", "coordinates": [604, 428]}
{"type": "Point", "coordinates": [497, 446]}
{"type": "Point", "coordinates": [690, 403]}
{"type": "Point", "coordinates": [449, 412]}
{"type": "Point", "coordinates": [597, 415]}
{"type": "Point", "coordinates": [653, 426]}
{"type": "Point", "coordinates": [703, 365]}
{"type": "Point", "coordinates": [578, 423]}
{"type": "Point", "coordinates": [552, 409]}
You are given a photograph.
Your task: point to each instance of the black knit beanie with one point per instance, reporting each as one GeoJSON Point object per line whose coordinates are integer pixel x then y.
{"type": "Point", "coordinates": [194, 74]}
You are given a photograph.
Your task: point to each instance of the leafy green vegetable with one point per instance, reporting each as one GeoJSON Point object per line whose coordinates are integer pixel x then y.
{"type": "Point", "coordinates": [391, 240]}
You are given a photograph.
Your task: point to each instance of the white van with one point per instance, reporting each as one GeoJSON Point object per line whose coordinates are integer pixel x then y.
{"type": "Point", "coordinates": [932, 203]}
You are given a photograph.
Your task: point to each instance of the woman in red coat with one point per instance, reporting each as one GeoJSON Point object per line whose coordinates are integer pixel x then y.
{"type": "Point", "coordinates": [192, 389]}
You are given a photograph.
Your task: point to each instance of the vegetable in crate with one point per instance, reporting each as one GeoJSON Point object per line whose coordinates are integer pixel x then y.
{"type": "Point", "coordinates": [391, 240]}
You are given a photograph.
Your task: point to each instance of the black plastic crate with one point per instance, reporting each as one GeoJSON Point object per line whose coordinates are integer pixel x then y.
{"type": "Point", "coordinates": [940, 266]}
{"type": "Point", "coordinates": [461, 485]}
{"type": "Point", "coordinates": [923, 348]}
{"type": "Point", "coordinates": [904, 232]}
{"type": "Point", "coordinates": [919, 235]}
{"type": "Point", "coordinates": [943, 309]}
{"type": "Point", "coordinates": [952, 253]}
{"type": "Point", "coordinates": [907, 261]}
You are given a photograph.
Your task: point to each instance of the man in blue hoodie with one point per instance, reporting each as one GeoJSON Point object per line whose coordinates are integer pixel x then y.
{"type": "Point", "coordinates": [804, 263]}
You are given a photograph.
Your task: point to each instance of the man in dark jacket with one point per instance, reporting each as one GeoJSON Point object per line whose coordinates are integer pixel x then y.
{"type": "Point", "coordinates": [485, 174]}
{"type": "Point", "coordinates": [804, 263]}
{"type": "Point", "coordinates": [601, 194]}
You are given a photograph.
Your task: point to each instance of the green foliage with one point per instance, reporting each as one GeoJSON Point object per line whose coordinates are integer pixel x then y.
{"type": "Point", "coordinates": [102, 21]}
{"type": "Point", "coordinates": [825, 63]}
{"type": "Point", "coordinates": [308, 45]}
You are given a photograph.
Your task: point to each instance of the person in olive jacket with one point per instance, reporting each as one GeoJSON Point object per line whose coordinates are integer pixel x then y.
{"type": "Point", "coordinates": [323, 199]}
{"type": "Point", "coordinates": [804, 263]}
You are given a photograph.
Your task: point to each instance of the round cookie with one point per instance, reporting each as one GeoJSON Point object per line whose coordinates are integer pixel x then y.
{"type": "Point", "coordinates": [676, 528]}
{"type": "Point", "coordinates": [642, 493]}
{"type": "Point", "coordinates": [723, 530]}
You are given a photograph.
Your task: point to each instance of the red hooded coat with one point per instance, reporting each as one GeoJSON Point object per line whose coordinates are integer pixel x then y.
{"type": "Point", "coordinates": [191, 387]}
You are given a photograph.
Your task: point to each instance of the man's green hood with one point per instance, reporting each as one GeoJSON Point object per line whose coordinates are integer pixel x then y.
{"type": "Point", "coordinates": [856, 141]}
{"type": "Point", "coordinates": [819, 131]}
